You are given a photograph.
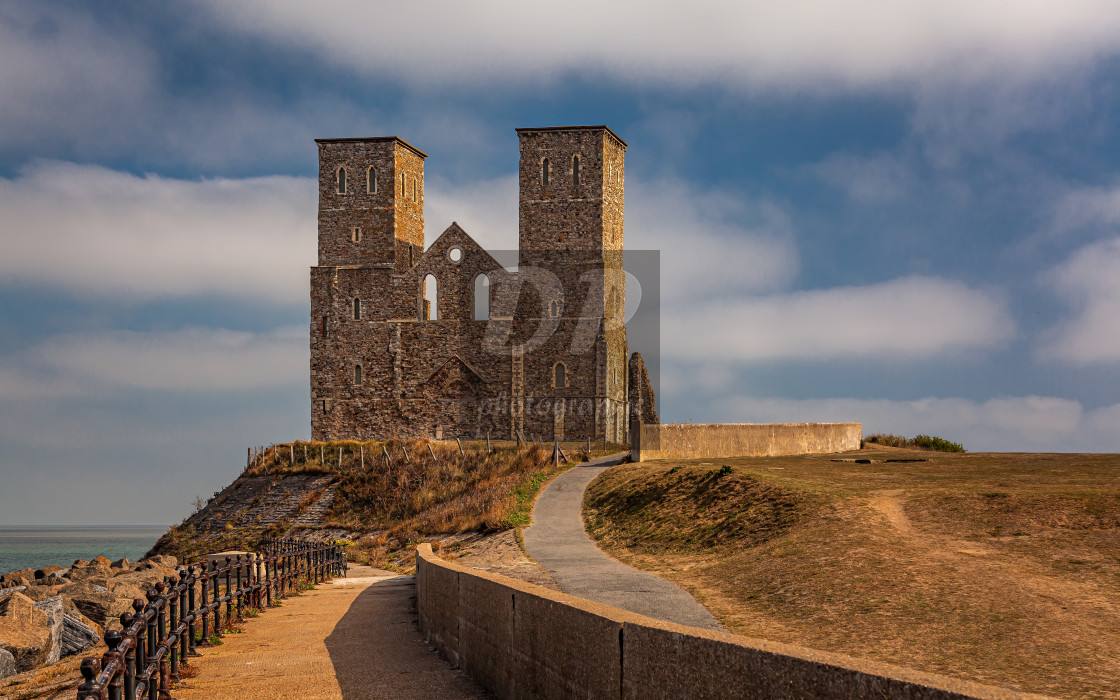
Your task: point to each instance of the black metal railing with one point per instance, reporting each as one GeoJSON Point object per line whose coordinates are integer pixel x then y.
{"type": "Point", "coordinates": [183, 611]}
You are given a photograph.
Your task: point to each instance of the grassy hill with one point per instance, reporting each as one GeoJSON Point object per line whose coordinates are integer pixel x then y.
{"type": "Point", "coordinates": [999, 568]}
{"type": "Point", "coordinates": [424, 491]}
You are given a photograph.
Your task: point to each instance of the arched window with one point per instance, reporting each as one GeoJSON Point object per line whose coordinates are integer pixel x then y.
{"type": "Point", "coordinates": [371, 180]}
{"type": "Point", "coordinates": [575, 171]}
{"type": "Point", "coordinates": [357, 309]}
{"type": "Point", "coordinates": [559, 380]}
{"type": "Point", "coordinates": [431, 295]}
{"type": "Point", "coordinates": [482, 298]}
{"type": "Point", "coordinates": [554, 308]}
{"type": "Point", "coordinates": [357, 375]}
{"type": "Point", "coordinates": [340, 178]}
{"type": "Point", "coordinates": [544, 173]}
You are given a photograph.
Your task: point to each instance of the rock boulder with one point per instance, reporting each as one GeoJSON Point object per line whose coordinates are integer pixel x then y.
{"type": "Point", "coordinates": [25, 632]}
{"type": "Point", "coordinates": [162, 560]}
{"type": "Point", "coordinates": [78, 633]}
{"type": "Point", "coordinates": [46, 571]}
{"type": "Point", "coordinates": [53, 608]}
{"type": "Point", "coordinates": [7, 664]}
{"type": "Point", "coordinates": [98, 603]}
{"type": "Point", "coordinates": [18, 577]}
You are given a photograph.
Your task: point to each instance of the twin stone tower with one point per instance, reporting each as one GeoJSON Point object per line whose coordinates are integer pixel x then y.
{"type": "Point", "coordinates": [537, 352]}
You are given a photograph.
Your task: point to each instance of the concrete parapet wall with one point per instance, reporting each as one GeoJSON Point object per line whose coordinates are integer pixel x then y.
{"type": "Point", "coordinates": [525, 641]}
{"type": "Point", "coordinates": [689, 440]}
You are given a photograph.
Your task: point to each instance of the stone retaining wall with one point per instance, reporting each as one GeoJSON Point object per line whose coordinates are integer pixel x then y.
{"type": "Point", "coordinates": [689, 440]}
{"type": "Point", "coordinates": [525, 641]}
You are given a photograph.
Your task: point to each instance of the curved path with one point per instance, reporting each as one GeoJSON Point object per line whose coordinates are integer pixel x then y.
{"type": "Point", "coordinates": [558, 542]}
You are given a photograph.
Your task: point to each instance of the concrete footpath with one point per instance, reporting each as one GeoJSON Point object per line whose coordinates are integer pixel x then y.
{"type": "Point", "coordinates": [558, 542]}
{"type": "Point", "coordinates": [351, 639]}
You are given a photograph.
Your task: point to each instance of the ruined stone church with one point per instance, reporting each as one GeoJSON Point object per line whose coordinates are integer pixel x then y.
{"type": "Point", "coordinates": [444, 342]}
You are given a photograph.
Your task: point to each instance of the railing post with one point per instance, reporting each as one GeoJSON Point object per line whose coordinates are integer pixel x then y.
{"type": "Point", "coordinates": [113, 642]}
{"type": "Point", "coordinates": [141, 638]}
{"type": "Point", "coordinates": [217, 600]}
{"type": "Point", "coordinates": [229, 591]}
{"type": "Point", "coordinates": [173, 627]}
{"type": "Point", "coordinates": [239, 591]}
{"type": "Point", "coordinates": [153, 645]}
{"type": "Point", "coordinates": [127, 620]}
{"type": "Point", "coordinates": [205, 578]}
{"type": "Point", "coordinates": [91, 669]}
{"type": "Point", "coordinates": [160, 602]}
{"type": "Point", "coordinates": [268, 578]}
{"type": "Point", "coordinates": [259, 589]}
{"type": "Point", "coordinates": [192, 604]}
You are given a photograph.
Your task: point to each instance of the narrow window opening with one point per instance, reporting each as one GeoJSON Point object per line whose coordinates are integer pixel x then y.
{"type": "Point", "coordinates": [371, 180]}
{"type": "Point", "coordinates": [575, 171]}
{"type": "Point", "coordinates": [558, 379]}
{"type": "Point", "coordinates": [431, 298]}
{"type": "Point", "coordinates": [356, 235]}
{"type": "Point", "coordinates": [323, 328]}
{"type": "Point", "coordinates": [554, 308]}
{"type": "Point", "coordinates": [415, 187]}
{"type": "Point", "coordinates": [544, 173]}
{"type": "Point", "coordinates": [357, 375]}
{"type": "Point", "coordinates": [341, 180]}
{"type": "Point", "coordinates": [357, 309]}
{"type": "Point", "coordinates": [404, 193]}
{"type": "Point", "coordinates": [482, 298]}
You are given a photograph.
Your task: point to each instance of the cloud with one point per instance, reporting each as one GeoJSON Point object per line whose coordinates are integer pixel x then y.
{"type": "Point", "coordinates": [63, 73]}
{"type": "Point", "coordinates": [792, 44]}
{"type": "Point", "coordinates": [1013, 424]}
{"type": "Point", "coordinates": [191, 360]}
{"type": "Point", "coordinates": [1089, 281]}
{"type": "Point", "coordinates": [878, 178]}
{"type": "Point", "coordinates": [714, 242]}
{"type": "Point", "coordinates": [907, 319]}
{"type": "Point", "coordinates": [96, 231]}
{"type": "Point", "coordinates": [1089, 206]}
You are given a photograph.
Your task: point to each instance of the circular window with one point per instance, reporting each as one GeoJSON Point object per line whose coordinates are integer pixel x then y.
{"type": "Point", "coordinates": [455, 255]}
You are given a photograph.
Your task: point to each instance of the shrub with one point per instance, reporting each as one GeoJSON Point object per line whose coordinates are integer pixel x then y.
{"type": "Point", "coordinates": [919, 442]}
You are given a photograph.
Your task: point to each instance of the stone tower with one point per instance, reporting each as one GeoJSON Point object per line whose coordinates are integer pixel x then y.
{"type": "Point", "coordinates": [371, 229]}
{"type": "Point", "coordinates": [371, 202]}
{"type": "Point", "coordinates": [570, 224]}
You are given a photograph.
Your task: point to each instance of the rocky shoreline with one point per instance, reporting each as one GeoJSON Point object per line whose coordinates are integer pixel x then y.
{"type": "Point", "coordinates": [51, 613]}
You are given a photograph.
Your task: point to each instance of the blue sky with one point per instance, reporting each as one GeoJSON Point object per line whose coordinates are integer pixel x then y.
{"type": "Point", "coordinates": [904, 214]}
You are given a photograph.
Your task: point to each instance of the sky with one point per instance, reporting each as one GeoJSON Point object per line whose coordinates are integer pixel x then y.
{"type": "Point", "coordinates": [903, 214]}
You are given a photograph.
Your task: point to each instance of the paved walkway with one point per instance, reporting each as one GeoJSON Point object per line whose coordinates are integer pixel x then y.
{"type": "Point", "coordinates": [558, 542]}
{"type": "Point", "coordinates": [351, 639]}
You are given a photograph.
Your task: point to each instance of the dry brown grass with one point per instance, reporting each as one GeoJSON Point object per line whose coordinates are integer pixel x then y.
{"type": "Point", "coordinates": [999, 568]}
{"type": "Point", "coordinates": [386, 508]}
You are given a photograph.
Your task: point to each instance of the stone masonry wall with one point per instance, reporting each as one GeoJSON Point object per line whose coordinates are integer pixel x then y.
{"type": "Point", "coordinates": [381, 366]}
{"type": "Point", "coordinates": [519, 640]}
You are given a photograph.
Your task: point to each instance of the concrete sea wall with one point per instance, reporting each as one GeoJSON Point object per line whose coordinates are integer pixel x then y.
{"type": "Point", "coordinates": [524, 641]}
{"type": "Point", "coordinates": [689, 440]}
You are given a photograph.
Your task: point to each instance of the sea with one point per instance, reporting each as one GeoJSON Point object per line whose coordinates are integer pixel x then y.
{"type": "Point", "coordinates": [33, 547]}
